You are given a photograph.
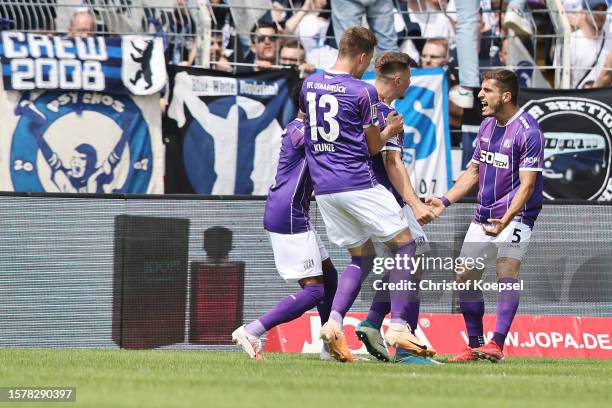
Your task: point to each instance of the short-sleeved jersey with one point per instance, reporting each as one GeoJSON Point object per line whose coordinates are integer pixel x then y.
{"type": "Point", "coordinates": [338, 108]}
{"type": "Point", "coordinates": [288, 200]}
{"type": "Point", "coordinates": [394, 143]}
{"type": "Point", "coordinates": [501, 153]}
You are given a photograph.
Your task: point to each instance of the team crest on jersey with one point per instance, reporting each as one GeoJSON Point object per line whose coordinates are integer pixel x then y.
{"type": "Point", "coordinates": [56, 147]}
{"type": "Point", "coordinates": [577, 154]}
{"type": "Point", "coordinates": [507, 143]}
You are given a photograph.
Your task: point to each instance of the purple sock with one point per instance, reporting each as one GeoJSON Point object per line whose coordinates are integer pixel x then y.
{"type": "Point", "coordinates": [380, 305]}
{"type": "Point", "coordinates": [289, 308]}
{"type": "Point", "coordinates": [472, 307]}
{"type": "Point", "coordinates": [402, 273]}
{"type": "Point", "coordinates": [414, 307]}
{"type": "Point", "coordinates": [349, 285]}
{"type": "Point", "coordinates": [507, 305]}
{"type": "Point", "coordinates": [330, 283]}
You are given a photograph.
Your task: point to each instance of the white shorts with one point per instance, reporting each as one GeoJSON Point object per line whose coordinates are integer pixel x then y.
{"type": "Point", "coordinates": [298, 256]}
{"type": "Point", "coordinates": [353, 217]}
{"type": "Point", "coordinates": [512, 242]}
{"type": "Point", "coordinates": [416, 230]}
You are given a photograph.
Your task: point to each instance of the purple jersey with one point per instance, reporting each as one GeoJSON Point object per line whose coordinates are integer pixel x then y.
{"type": "Point", "coordinates": [394, 143]}
{"type": "Point", "coordinates": [289, 198]}
{"type": "Point", "coordinates": [338, 108]}
{"type": "Point", "coordinates": [501, 152]}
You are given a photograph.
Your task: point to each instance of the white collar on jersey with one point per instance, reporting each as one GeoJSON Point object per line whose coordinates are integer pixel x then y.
{"type": "Point", "coordinates": [516, 115]}
{"type": "Point", "coordinates": [333, 71]}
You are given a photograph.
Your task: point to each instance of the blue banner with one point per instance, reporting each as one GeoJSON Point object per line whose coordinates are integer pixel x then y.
{"type": "Point", "coordinates": [225, 131]}
{"type": "Point", "coordinates": [119, 65]}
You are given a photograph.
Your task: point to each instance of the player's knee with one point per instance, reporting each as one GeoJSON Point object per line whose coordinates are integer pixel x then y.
{"type": "Point", "coordinates": [400, 239]}
{"type": "Point", "coordinates": [312, 280]}
{"type": "Point", "coordinates": [467, 275]}
{"type": "Point", "coordinates": [507, 267]}
{"type": "Point", "coordinates": [316, 292]}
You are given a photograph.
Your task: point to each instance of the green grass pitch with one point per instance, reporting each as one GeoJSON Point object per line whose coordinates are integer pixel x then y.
{"type": "Point", "coordinates": [121, 378]}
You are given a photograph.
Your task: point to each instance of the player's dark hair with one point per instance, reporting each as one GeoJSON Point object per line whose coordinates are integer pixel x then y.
{"type": "Point", "coordinates": [506, 80]}
{"type": "Point", "coordinates": [295, 93]}
{"type": "Point", "coordinates": [391, 62]}
{"type": "Point", "coordinates": [357, 40]}
{"type": "Point", "coordinates": [262, 24]}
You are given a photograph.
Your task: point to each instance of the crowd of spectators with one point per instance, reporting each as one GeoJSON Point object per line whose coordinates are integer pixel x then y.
{"type": "Point", "coordinates": [304, 33]}
{"type": "Point", "coordinates": [315, 24]}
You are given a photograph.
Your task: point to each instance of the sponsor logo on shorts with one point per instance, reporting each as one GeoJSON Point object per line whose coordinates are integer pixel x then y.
{"type": "Point", "coordinates": [308, 264]}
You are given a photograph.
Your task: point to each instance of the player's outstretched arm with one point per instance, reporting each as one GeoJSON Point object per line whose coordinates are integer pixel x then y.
{"type": "Point", "coordinates": [401, 182]}
{"type": "Point", "coordinates": [377, 139]}
{"type": "Point", "coordinates": [466, 183]}
{"type": "Point", "coordinates": [526, 188]}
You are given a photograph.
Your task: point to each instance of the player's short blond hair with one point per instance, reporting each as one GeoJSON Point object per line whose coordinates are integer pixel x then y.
{"type": "Point", "coordinates": [357, 40]}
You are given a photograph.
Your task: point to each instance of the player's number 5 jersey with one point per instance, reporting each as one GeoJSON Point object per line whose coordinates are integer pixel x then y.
{"type": "Point", "coordinates": [337, 109]}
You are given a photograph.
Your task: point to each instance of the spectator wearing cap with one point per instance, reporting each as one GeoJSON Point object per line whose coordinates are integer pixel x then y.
{"type": "Point", "coordinates": [573, 11]}
{"type": "Point", "coordinates": [589, 45]}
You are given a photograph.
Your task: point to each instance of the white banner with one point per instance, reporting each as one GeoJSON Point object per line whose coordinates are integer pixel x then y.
{"type": "Point", "coordinates": [80, 142]}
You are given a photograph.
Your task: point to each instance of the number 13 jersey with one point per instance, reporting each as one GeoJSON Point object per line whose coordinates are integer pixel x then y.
{"type": "Point", "coordinates": [338, 107]}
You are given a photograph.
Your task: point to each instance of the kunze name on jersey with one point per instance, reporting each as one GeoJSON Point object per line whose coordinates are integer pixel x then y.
{"type": "Point", "coordinates": [324, 147]}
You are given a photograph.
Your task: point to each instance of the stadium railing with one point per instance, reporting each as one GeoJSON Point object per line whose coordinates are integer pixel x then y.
{"type": "Point", "coordinates": [118, 17]}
